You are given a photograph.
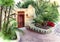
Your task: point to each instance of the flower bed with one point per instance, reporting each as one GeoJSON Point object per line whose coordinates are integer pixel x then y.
{"type": "Point", "coordinates": [40, 30]}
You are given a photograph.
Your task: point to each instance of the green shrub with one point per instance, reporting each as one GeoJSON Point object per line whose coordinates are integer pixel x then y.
{"type": "Point", "coordinates": [46, 11]}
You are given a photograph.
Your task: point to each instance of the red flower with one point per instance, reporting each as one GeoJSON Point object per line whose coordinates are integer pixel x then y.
{"type": "Point", "coordinates": [50, 24]}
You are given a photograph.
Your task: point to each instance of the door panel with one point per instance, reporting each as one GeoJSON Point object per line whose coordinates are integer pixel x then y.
{"type": "Point", "coordinates": [20, 21]}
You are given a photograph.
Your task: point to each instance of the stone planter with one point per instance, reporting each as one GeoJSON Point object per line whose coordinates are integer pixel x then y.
{"type": "Point", "coordinates": [17, 40]}
{"type": "Point", "coordinates": [40, 30]}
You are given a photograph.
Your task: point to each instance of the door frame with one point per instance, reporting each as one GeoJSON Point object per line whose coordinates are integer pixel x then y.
{"type": "Point", "coordinates": [19, 14]}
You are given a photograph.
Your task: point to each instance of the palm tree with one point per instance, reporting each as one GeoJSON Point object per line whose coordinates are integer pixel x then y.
{"type": "Point", "coordinates": [7, 28]}
{"type": "Point", "coordinates": [1, 6]}
{"type": "Point", "coordinates": [6, 6]}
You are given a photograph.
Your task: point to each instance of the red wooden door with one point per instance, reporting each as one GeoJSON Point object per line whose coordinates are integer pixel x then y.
{"type": "Point", "coordinates": [20, 20]}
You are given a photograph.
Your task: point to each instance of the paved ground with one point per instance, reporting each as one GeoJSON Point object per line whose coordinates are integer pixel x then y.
{"type": "Point", "coordinates": [36, 37]}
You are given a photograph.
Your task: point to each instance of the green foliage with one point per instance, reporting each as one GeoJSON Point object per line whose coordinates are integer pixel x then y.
{"type": "Point", "coordinates": [8, 29]}
{"type": "Point", "coordinates": [46, 11]}
{"type": "Point", "coordinates": [10, 32]}
{"type": "Point", "coordinates": [26, 4]}
{"type": "Point", "coordinates": [18, 4]}
{"type": "Point", "coordinates": [7, 2]}
{"type": "Point", "coordinates": [5, 6]}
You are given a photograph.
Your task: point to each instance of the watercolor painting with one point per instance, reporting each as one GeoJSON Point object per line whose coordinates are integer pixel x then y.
{"type": "Point", "coordinates": [29, 20]}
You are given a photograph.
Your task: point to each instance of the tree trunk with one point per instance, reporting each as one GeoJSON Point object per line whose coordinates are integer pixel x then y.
{"type": "Point", "coordinates": [8, 16]}
{"type": "Point", "coordinates": [5, 18]}
{"type": "Point", "coordinates": [1, 17]}
{"type": "Point", "coordinates": [5, 14]}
